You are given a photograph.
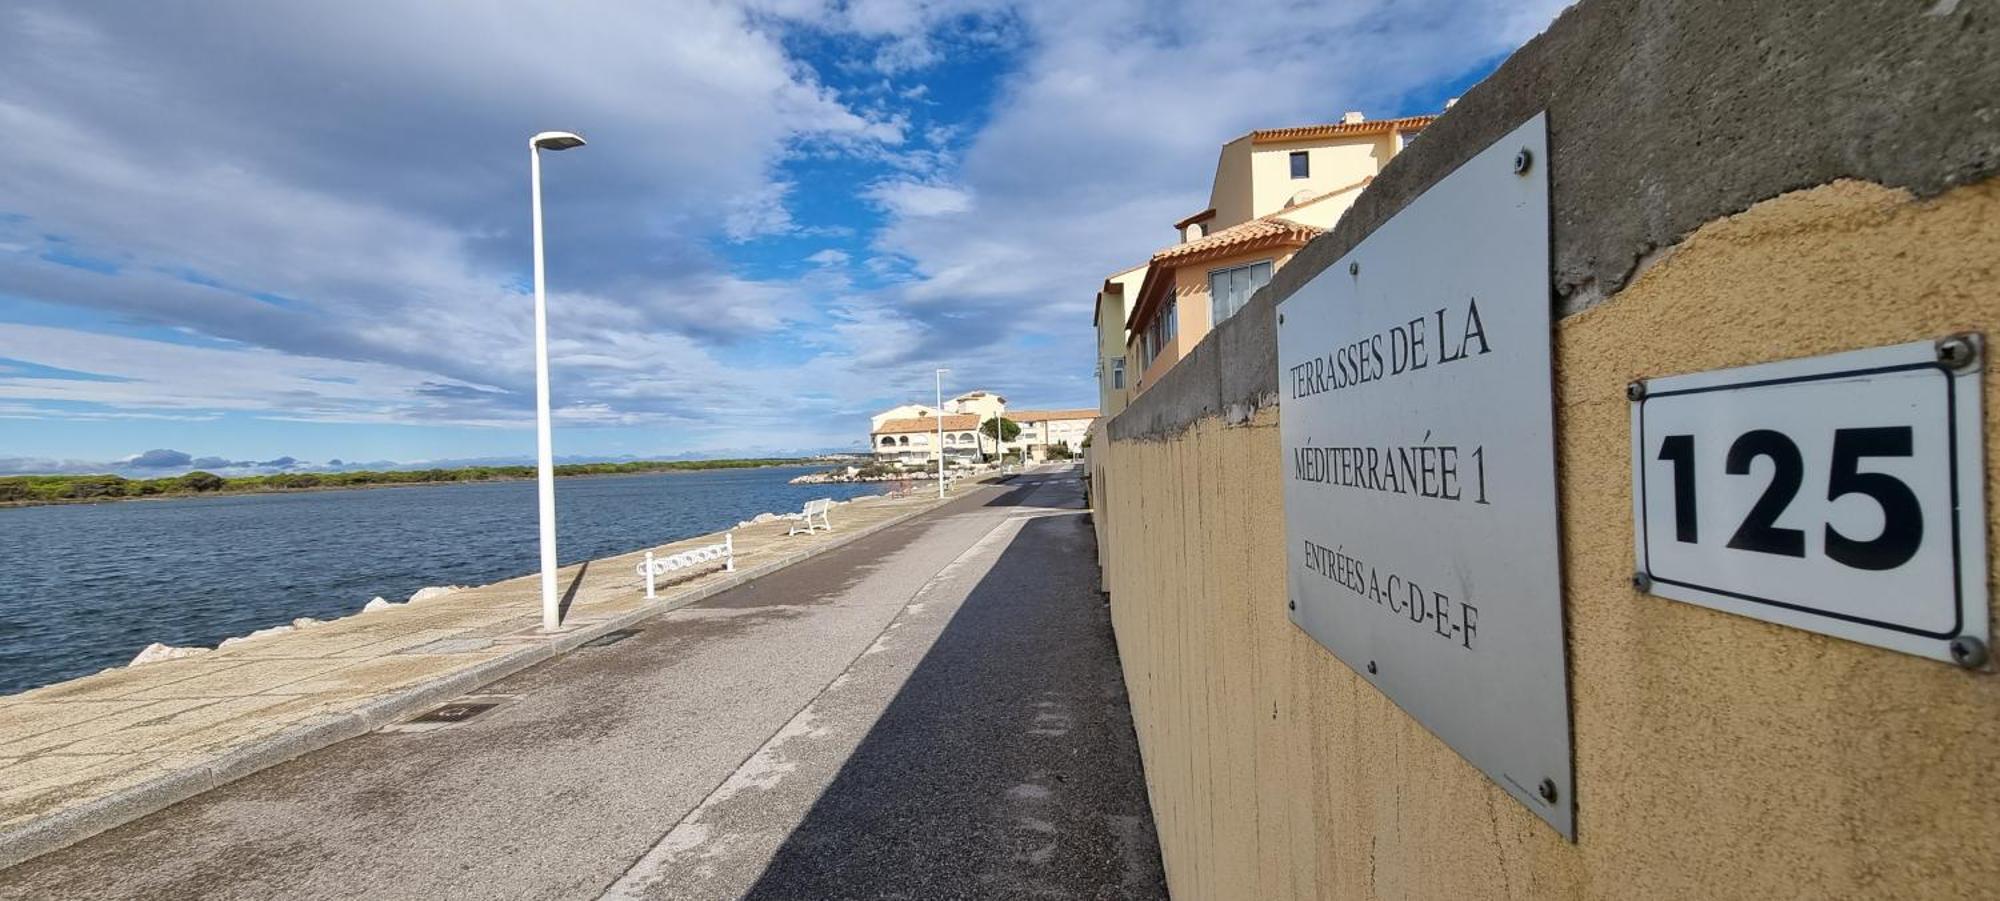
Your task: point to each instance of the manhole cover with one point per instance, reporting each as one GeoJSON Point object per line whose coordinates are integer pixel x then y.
{"type": "Point", "coordinates": [613, 637]}
{"type": "Point", "coordinates": [456, 713]}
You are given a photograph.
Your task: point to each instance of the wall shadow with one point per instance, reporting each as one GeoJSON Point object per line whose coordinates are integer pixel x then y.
{"type": "Point", "coordinates": [1005, 766]}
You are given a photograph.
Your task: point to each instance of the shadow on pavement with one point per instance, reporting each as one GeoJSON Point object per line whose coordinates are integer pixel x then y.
{"type": "Point", "coordinates": [1006, 765]}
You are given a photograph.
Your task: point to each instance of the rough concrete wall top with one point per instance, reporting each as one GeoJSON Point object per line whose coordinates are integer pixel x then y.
{"type": "Point", "coordinates": [1663, 115]}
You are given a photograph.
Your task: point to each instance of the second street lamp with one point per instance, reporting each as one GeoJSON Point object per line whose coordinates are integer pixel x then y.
{"type": "Point", "coordinates": [940, 435]}
{"type": "Point", "coordinates": [545, 466]}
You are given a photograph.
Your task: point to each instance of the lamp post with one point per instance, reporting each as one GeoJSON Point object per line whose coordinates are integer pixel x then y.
{"type": "Point", "coordinates": [545, 468]}
{"type": "Point", "coordinates": [940, 436]}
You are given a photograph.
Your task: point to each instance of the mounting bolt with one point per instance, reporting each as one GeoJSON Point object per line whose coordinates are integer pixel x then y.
{"type": "Point", "coordinates": [1523, 161]}
{"type": "Point", "coordinates": [1548, 790]}
{"type": "Point", "coordinates": [1635, 390]}
{"type": "Point", "coordinates": [1643, 581]}
{"type": "Point", "coordinates": [1293, 604]}
{"type": "Point", "coordinates": [1968, 652]}
{"type": "Point", "coordinates": [1281, 319]}
{"type": "Point", "coordinates": [1958, 351]}
{"type": "Point", "coordinates": [1371, 667]}
{"type": "Point", "coordinates": [1354, 267]}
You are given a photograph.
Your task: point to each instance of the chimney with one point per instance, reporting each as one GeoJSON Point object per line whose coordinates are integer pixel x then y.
{"type": "Point", "coordinates": [1352, 118]}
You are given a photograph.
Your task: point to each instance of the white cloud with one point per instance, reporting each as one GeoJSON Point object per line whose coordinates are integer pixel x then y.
{"type": "Point", "coordinates": [919, 200]}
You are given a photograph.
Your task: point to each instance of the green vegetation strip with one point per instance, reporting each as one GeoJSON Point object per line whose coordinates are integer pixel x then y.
{"type": "Point", "coordinates": [17, 490]}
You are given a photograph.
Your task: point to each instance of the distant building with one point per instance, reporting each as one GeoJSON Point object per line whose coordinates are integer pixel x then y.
{"type": "Point", "coordinates": [1274, 191]}
{"type": "Point", "coordinates": [908, 433]}
{"type": "Point", "coordinates": [1042, 430]}
{"type": "Point", "coordinates": [914, 439]}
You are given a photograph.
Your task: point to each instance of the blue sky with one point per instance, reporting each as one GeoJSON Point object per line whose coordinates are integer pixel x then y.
{"type": "Point", "coordinates": [248, 232]}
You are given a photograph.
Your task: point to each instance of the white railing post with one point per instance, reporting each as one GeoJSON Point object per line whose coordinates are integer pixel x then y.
{"type": "Point", "coordinates": [729, 552]}
{"type": "Point", "coordinates": [649, 575]}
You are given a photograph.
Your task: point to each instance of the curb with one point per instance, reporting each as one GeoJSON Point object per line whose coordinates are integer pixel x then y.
{"type": "Point", "coordinates": [65, 828]}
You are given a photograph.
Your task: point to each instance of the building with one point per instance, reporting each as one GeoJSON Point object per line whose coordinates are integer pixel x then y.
{"type": "Point", "coordinates": [1045, 430]}
{"type": "Point", "coordinates": [914, 439]}
{"type": "Point", "coordinates": [1274, 191]}
{"type": "Point", "coordinates": [908, 433]}
{"type": "Point", "coordinates": [1113, 303]}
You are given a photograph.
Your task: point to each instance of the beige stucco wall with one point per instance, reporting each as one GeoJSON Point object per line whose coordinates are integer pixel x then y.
{"type": "Point", "coordinates": [1331, 165]}
{"type": "Point", "coordinates": [1716, 756]}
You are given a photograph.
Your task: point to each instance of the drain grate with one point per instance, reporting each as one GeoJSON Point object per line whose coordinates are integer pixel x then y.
{"type": "Point", "coordinates": [456, 712]}
{"type": "Point", "coordinates": [609, 638]}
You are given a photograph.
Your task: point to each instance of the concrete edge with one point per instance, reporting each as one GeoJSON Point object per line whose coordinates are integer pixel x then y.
{"type": "Point", "coordinates": [1663, 115]}
{"type": "Point", "coordinates": [64, 828]}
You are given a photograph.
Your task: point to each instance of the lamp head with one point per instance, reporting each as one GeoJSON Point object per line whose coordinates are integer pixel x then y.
{"type": "Point", "coordinates": [555, 140]}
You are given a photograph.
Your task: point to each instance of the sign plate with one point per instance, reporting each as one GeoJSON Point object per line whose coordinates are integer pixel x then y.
{"type": "Point", "coordinates": [1842, 494]}
{"type": "Point", "coordinates": [1419, 469]}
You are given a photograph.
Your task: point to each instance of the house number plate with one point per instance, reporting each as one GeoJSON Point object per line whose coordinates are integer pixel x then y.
{"type": "Point", "coordinates": [1841, 494]}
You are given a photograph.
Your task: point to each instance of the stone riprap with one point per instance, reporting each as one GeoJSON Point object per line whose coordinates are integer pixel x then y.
{"type": "Point", "coordinates": [85, 755]}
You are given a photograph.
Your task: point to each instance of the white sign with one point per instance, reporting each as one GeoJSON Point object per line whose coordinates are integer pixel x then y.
{"type": "Point", "coordinates": [1419, 469]}
{"type": "Point", "coordinates": [1841, 494]}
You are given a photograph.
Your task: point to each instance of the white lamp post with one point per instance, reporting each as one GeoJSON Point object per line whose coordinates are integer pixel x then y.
{"type": "Point", "coordinates": [940, 438]}
{"type": "Point", "coordinates": [545, 475]}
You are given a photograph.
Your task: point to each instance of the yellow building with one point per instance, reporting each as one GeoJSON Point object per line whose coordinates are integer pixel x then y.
{"type": "Point", "coordinates": [1274, 190]}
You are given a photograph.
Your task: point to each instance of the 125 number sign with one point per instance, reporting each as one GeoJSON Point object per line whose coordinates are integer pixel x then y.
{"type": "Point", "coordinates": [1841, 494]}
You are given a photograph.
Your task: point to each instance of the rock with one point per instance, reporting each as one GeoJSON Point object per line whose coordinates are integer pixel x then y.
{"type": "Point", "coordinates": [260, 633]}
{"type": "Point", "coordinates": [764, 517]}
{"type": "Point", "coordinates": [380, 603]}
{"type": "Point", "coordinates": [157, 652]}
{"type": "Point", "coordinates": [304, 622]}
{"type": "Point", "coordinates": [434, 591]}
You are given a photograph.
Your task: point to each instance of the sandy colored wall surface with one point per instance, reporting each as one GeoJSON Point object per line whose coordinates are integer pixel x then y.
{"type": "Point", "coordinates": [1716, 756]}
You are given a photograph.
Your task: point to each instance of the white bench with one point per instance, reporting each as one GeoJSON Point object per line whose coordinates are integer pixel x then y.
{"type": "Point", "coordinates": [813, 518]}
{"type": "Point", "coordinates": [654, 567]}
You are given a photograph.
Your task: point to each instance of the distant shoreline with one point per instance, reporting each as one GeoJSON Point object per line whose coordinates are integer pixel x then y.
{"type": "Point", "coordinates": [63, 490]}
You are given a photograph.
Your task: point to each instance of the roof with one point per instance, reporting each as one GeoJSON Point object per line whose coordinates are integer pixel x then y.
{"type": "Point", "coordinates": [1044, 415]}
{"type": "Point", "coordinates": [1340, 129]}
{"type": "Point", "coordinates": [1270, 231]}
{"type": "Point", "coordinates": [1202, 216]}
{"type": "Point", "coordinates": [953, 422]}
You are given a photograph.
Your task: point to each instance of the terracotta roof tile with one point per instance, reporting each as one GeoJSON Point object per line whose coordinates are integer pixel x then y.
{"type": "Point", "coordinates": [953, 422]}
{"type": "Point", "coordinates": [1257, 232]}
{"type": "Point", "coordinates": [1340, 129]}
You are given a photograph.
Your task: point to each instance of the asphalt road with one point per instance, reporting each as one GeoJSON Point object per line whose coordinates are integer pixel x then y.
{"type": "Point", "coordinates": [934, 711]}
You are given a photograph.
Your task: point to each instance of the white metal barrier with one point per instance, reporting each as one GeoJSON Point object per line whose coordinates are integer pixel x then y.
{"type": "Point", "coordinates": [654, 567]}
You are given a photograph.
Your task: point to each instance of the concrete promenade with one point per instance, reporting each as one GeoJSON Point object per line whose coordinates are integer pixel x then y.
{"type": "Point", "coordinates": [932, 711]}
{"type": "Point", "coordinates": [90, 753]}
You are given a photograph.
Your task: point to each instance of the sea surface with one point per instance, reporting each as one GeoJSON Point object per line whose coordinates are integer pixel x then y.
{"type": "Point", "coordinates": [84, 587]}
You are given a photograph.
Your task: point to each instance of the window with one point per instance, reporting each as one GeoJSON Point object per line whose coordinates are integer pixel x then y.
{"type": "Point", "coordinates": [1230, 289]}
{"type": "Point", "coordinates": [1301, 166]}
{"type": "Point", "coordinates": [904, 441]}
{"type": "Point", "coordinates": [1117, 373]}
{"type": "Point", "coordinates": [888, 441]}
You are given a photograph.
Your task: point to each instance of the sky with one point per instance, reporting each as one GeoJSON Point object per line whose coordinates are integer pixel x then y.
{"type": "Point", "coordinates": [251, 235]}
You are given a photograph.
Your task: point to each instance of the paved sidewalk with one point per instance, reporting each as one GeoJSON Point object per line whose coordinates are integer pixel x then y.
{"type": "Point", "coordinates": [932, 711]}
{"type": "Point", "coordinates": [84, 755]}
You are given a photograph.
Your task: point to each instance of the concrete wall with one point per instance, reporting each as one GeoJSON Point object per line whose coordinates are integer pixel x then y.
{"type": "Point", "coordinates": [1732, 182]}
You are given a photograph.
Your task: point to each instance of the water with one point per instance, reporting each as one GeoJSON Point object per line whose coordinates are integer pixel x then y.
{"type": "Point", "coordinates": [84, 587]}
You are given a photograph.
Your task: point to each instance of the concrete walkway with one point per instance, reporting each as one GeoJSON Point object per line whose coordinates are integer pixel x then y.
{"type": "Point", "coordinates": [84, 755]}
{"type": "Point", "coordinates": [933, 711]}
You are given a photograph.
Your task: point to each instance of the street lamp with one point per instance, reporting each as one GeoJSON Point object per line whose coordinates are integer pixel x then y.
{"type": "Point", "coordinates": [940, 438]}
{"type": "Point", "coordinates": [545, 468]}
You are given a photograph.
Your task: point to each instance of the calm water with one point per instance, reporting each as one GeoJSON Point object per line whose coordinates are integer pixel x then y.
{"type": "Point", "coordinates": [86, 587]}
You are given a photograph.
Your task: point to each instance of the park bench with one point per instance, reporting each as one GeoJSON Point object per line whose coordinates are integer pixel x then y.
{"type": "Point", "coordinates": [654, 567]}
{"type": "Point", "coordinates": [812, 518]}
